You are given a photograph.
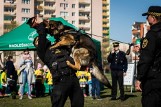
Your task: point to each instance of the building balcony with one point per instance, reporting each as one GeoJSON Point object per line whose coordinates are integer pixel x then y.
{"type": "Point", "coordinates": [50, 0]}
{"type": "Point", "coordinates": [135, 32]}
{"type": "Point", "coordinates": [105, 20]}
{"type": "Point", "coordinates": [85, 9]}
{"type": "Point", "coordinates": [104, 8]}
{"type": "Point", "coordinates": [108, 24]}
{"type": "Point", "coordinates": [13, 5]}
{"type": "Point", "coordinates": [84, 18]}
{"type": "Point", "coordinates": [105, 44]}
{"type": "Point", "coordinates": [7, 21]}
{"type": "Point", "coordinates": [104, 2]}
{"type": "Point", "coordinates": [49, 8]}
{"type": "Point", "coordinates": [10, 13]}
{"type": "Point", "coordinates": [104, 13]}
{"type": "Point", "coordinates": [86, 28]}
{"type": "Point", "coordinates": [87, 2]}
{"type": "Point", "coordinates": [47, 16]}
{"type": "Point", "coordinates": [39, 7]}
{"type": "Point", "coordinates": [105, 31]}
{"type": "Point", "coordinates": [40, 0]}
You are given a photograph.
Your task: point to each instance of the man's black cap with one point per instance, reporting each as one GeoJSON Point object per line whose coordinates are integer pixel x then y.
{"type": "Point", "coordinates": [153, 10]}
{"type": "Point", "coordinates": [116, 44]}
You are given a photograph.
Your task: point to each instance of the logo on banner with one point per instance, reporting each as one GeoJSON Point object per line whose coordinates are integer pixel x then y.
{"type": "Point", "coordinates": [32, 35]}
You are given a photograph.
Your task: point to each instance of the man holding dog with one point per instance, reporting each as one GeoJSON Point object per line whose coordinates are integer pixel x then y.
{"type": "Point", "coordinates": [65, 81]}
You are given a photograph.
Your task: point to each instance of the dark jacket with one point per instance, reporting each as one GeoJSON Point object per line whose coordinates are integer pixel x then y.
{"type": "Point", "coordinates": [118, 61]}
{"type": "Point", "coordinates": [11, 70]}
{"type": "Point", "coordinates": [147, 71]}
{"type": "Point", "coordinates": [55, 59]}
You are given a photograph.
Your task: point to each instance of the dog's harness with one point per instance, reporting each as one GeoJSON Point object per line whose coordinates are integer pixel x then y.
{"type": "Point", "coordinates": [72, 31]}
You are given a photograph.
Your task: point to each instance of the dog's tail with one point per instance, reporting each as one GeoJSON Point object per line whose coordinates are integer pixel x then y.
{"type": "Point", "coordinates": [100, 76]}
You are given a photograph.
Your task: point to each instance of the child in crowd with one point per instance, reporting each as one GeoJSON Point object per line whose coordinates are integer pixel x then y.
{"type": "Point", "coordinates": [89, 82]}
{"type": "Point", "coordinates": [82, 76]}
{"type": "Point", "coordinates": [39, 84]}
{"type": "Point", "coordinates": [49, 81]}
{"type": "Point", "coordinates": [3, 82]}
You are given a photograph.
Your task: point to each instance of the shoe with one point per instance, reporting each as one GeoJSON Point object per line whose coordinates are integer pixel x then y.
{"type": "Point", "coordinates": [122, 99]}
{"type": "Point", "coordinates": [98, 98]}
{"type": "Point", "coordinates": [113, 98]}
{"type": "Point", "coordinates": [29, 97]}
{"type": "Point", "coordinates": [21, 97]}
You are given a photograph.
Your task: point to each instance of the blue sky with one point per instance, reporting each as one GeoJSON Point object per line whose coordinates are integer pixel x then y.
{"type": "Point", "coordinates": [124, 13]}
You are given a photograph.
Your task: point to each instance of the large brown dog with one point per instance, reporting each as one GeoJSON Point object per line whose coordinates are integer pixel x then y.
{"type": "Point", "coordinates": [83, 48]}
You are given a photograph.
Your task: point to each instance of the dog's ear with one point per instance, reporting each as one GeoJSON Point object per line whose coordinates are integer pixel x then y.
{"type": "Point", "coordinates": [60, 26]}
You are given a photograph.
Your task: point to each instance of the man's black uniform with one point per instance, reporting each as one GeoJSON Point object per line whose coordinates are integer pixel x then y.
{"type": "Point", "coordinates": [118, 65]}
{"type": "Point", "coordinates": [64, 78]}
{"type": "Point", "coordinates": [149, 67]}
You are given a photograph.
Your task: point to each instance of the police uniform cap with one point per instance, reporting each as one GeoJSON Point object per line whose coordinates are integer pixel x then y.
{"type": "Point", "coordinates": [115, 44]}
{"type": "Point", "coordinates": [153, 10]}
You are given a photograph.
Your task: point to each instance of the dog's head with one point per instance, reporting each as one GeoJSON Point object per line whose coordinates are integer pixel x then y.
{"type": "Point", "coordinates": [55, 27]}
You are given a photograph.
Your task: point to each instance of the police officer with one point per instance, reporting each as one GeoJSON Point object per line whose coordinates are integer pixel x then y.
{"type": "Point", "coordinates": [64, 79]}
{"type": "Point", "coordinates": [118, 65]}
{"type": "Point", "coordinates": [149, 65]}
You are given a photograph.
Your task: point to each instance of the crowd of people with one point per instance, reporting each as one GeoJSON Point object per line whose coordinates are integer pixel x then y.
{"type": "Point", "coordinates": [30, 80]}
{"type": "Point", "coordinates": [26, 80]}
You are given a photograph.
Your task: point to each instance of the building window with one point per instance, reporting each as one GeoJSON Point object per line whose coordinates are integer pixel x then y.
{"type": "Point", "coordinates": [8, 10]}
{"type": "Point", "coordinates": [73, 22]}
{"type": "Point", "coordinates": [61, 4]}
{"type": "Point", "coordinates": [49, 4]}
{"type": "Point", "coordinates": [82, 22]}
{"type": "Point", "coordinates": [8, 18]}
{"type": "Point", "coordinates": [48, 12]}
{"type": "Point", "coordinates": [63, 14]}
{"type": "Point", "coordinates": [64, 5]}
{"type": "Point", "coordinates": [73, 13]}
{"type": "Point", "coordinates": [83, 14]}
{"type": "Point", "coordinates": [24, 19]}
{"type": "Point", "coordinates": [73, 5]}
{"type": "Point", "coordinates": [82, 6]}
{"type": "Point", "coordinates": [25, 10]}
{"type": "Point", "coordinates": [25, 1]}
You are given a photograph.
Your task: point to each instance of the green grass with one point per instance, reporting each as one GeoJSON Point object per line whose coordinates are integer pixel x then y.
{"type": "Point", "coordinates": [132, 100]}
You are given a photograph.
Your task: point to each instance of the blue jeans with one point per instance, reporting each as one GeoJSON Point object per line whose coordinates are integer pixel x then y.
{"type": "Point", "coordinates": [90, 89]}
{"type": "Point", "coordinates": [95, 87]}
{"type": "Point", "coordinates": [24, 81]}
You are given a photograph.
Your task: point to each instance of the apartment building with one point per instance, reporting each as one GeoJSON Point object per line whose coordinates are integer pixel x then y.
{"type": "Point", "coordinates": [93, 16]}
{"type": "Point", "coordinates": [14, 11]}
{"type": "Point", "coordinates": [90, 15]}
